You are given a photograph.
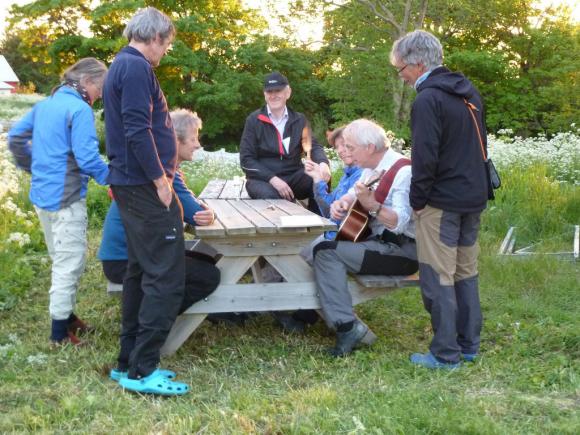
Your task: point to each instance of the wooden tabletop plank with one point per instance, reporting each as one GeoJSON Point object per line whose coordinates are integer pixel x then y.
{"type": "Point", "coordinates": [244, 193]}
{"type": "Point", "coordinates": [232, 189]}
{"type": "Point", "coordinates": [294, 209]}
{"type": "Point", "coordinates": [230, 218]}
{"type": "Point", "coordinates": [273, 214]}
{"type": "Point", "coordinates": [262, 224]}
{"type": "Point", "coordinates": [212, 190]}
{"type": "Point", "coordinates": [215, 229]}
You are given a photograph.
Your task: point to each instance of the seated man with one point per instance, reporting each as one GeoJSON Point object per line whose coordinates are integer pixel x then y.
{"type": "Point", "coordinates": [389, 250]}
{"type": "Point", "coordinates": [201, 277]}
{"type": "Point", "coordinates": [271, 148]}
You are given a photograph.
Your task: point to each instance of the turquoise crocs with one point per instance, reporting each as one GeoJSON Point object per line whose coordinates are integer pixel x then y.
{"type": "Point", "coordinates": [116, 375]}
{"type": "Point", "coordinates": [154, 384]}
{"type": "Point", "coordinates": [429, 361]}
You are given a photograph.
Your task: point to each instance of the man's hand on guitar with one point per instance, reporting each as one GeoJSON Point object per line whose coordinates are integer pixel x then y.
{"type": "Point", "coordinates": [282, 188]}
{"type": "Point", "coordinates": [339, 208]}
{"type": "Point", "coordinates": [365, 196]}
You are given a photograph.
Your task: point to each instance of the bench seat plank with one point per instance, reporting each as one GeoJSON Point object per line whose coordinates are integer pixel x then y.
{"type": "Point", "coordinates": [370, 281]}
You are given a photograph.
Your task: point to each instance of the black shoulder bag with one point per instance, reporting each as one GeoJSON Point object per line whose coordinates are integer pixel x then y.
{"type": "Point", "coordinates": [493, 180]}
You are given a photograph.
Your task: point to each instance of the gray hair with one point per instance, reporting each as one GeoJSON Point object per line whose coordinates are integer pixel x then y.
{"type": "Point", "coordinates": [182, 120]}
{"type": "Point", "coordinates": [367, 133]}
{"type": "Point", "coordinates": [147, 23]}
{"type": "Point", "coordinates": [418, 47]}
{"type": "Point", "coordinates": [336, 134]}
{"type": "Point", "coordinates": [87, 68]}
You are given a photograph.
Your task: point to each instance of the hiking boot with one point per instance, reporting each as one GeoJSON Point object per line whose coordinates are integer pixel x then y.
{"type": "Point", "coordinates": [71, 339]}
{"type": "Point", "coordinates": [77, 327]}
{"type": "Point", "coordinates": [347, 341]}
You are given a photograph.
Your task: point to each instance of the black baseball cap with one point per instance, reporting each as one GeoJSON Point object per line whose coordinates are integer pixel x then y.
{"type": "Point", "coordinates": [275, 80]}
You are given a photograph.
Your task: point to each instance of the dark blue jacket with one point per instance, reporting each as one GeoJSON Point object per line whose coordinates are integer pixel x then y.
{"type": "Point", "coordinates": [141, 143]}
{"type": "Point", "coordinates": [447, 162]}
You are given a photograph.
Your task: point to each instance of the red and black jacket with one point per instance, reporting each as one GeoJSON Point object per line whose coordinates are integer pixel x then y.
{"type": "Point", "coordinates": [262, 154]}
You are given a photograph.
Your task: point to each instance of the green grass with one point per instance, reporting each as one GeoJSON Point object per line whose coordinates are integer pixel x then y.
{"type": "Point", "coordinates": [256, 379]}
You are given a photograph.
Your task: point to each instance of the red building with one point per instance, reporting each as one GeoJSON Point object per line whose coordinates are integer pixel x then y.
{"type": "Point", "coordinates": [8, 79]}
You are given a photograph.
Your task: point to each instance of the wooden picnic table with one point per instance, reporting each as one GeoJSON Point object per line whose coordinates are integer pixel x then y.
{"type": "Point", "coordinates": [247, 230]}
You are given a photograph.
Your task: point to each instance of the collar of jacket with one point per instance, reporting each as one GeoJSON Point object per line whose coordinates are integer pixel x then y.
{"type": "Point", "coordinates": [435, 72]}
{"type": "Point", "coordinates": [263, 117]}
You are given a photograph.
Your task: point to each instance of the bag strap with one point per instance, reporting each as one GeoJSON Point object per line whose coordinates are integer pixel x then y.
{"type": "Point", "coordinates": [472, 108]}
{"type": "Point", "coordinates": [387, 181]}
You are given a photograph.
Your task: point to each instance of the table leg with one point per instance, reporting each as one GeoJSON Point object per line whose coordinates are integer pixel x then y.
{"type": "Point", "coordinates": [183, 327]}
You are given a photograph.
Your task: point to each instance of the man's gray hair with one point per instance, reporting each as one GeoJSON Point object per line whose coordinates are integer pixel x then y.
{"type": "Point", "coordinates": [418, 47]}
{"type": "Point", "coordinates": [146, 24]}
{"type": "Point", "coordinates": [182, 120]}
{"type": "Point", "coordinates": [366, 133]}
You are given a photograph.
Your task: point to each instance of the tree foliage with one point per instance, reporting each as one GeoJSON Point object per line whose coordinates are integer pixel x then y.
{"type": "Point", "coordinates": [524, 61]}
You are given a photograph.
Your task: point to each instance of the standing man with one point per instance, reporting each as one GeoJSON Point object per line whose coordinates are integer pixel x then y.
{"type": "Point", "coordinates": [142, 149]}
{"type": "Point", "coordinates": [271, 148]}
{"type": "Point", "coordinates": [389, 250]}
{"type": "Point", "coordinates": [448, 194]}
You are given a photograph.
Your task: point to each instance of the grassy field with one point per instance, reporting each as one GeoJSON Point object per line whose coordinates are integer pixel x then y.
{"type": "Point", "coordinates": [257, 379]}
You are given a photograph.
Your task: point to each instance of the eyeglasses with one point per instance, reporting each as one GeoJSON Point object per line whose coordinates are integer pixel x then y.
{"type": "Point", "coordinates": [400, 70]}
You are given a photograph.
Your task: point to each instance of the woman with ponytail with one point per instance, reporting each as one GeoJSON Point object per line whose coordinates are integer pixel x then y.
{"type": "Point", "coordinates": [57, 143]}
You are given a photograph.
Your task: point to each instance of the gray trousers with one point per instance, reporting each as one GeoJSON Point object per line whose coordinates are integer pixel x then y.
{"type": "Point", "coordinates": [333, 260]}
{"type": "Point", "coordinates": [447, 249]}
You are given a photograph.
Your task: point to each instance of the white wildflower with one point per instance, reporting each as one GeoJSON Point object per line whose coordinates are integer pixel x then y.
{"type": "Point", "coordinates": [21, 239]}
{"type": "Point", "coordinates": [37, 360]}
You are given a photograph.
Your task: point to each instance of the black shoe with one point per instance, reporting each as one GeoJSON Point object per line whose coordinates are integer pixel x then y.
{"type": "Point", "coordinates": [235, 319]}
{"type": "Point", "coordinates": [288, 323]}
{"type": "Point", "coordinates": [347, 341]}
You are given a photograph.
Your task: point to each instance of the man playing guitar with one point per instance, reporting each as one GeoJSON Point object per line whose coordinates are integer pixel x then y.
{"type": "Point", "coordinates": [390, 247]}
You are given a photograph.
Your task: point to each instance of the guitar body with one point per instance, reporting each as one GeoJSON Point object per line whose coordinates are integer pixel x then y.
{"type": "Point", "coordinates": [355, 226]}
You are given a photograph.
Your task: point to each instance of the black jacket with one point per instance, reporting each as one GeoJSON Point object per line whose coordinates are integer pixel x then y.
{"type": "Point", "coordinates": [262, 156]}
{"type": "Point", "coordinates": [447, 163]}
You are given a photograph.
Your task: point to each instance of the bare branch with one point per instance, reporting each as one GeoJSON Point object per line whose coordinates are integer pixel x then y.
{"type": "Point", "coordinates": [422, 13]}
{"type": "Point", "coordinates": [386, 16]}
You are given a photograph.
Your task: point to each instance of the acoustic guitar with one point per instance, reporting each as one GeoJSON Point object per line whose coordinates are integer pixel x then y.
{"type": "Point", "coordinates": [355, 226]}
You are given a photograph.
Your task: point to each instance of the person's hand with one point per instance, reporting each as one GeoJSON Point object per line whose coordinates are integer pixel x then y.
{"type": "Point", "coordinates": [312, 169]}
{"type": "Point", "coordinates": [164, 191]}
{"type": "Point", "coordinates": [204, 217]}
{"type": "Point", "coordinates": [365, 196]}
{"type": "Point", "coordinates": [282, 188]}
{"type": "Point", "coordinates": [325, 171]}
{"type": "Point", "coordinates": [339, 208]}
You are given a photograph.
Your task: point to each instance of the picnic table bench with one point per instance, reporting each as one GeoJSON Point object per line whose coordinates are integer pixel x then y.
{"type": "Point", "coordinates": [273, 231]}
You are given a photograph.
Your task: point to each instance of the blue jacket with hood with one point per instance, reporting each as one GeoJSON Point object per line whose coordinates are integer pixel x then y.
{"type": "Point", "coordinates": [64, 151]}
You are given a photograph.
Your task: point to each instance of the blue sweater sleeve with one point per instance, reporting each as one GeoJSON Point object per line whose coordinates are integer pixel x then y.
{"type": "Point", "coordinates": [20, 141]}
{"type": "Point", "coordinates": [186, 197]}
{"type": "Point", "coordinates": [85, 145]}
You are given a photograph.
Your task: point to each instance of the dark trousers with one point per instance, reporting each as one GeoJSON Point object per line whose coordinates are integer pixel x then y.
{"type": "Point", "coordinates": [201, 279]}
{"type": "Point", "coordinates": [299, 182]}
{"type": "Point", "coordinates": [153, 287]}
{"type": "Point", "coordinates": [447, 249]}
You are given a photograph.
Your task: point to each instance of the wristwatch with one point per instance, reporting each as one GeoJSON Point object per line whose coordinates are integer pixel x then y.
{"type": "Point", "coordinates": [375, 213]}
